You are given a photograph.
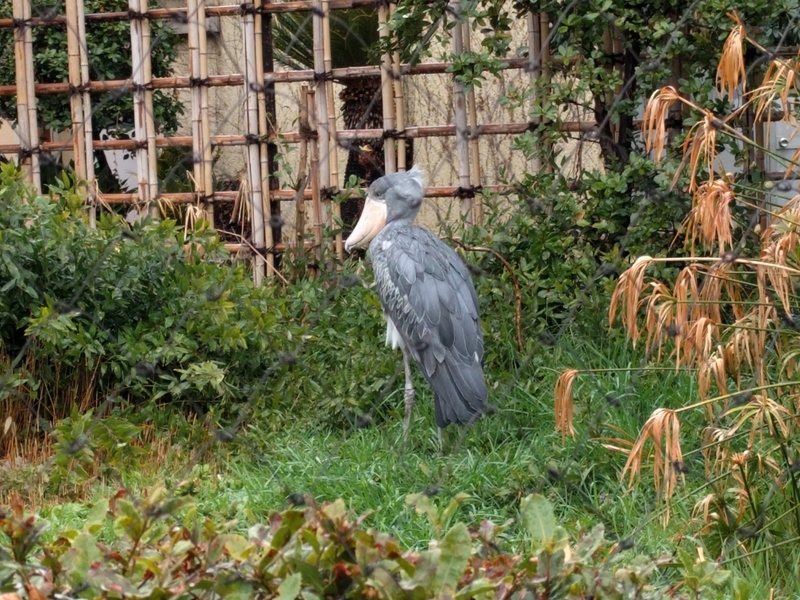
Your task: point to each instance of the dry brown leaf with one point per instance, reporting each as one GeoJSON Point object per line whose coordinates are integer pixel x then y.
{"type": "Point", "coordinates": [563, 402]}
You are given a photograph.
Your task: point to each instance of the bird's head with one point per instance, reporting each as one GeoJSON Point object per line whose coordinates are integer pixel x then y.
{"type": "Point", "coordinates": [393, 197]}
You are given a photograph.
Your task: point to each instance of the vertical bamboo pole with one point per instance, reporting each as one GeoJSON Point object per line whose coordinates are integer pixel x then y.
{"type": "Point", "coordinates": [88, 146]}
{"type": "Point", "coordinates": [76, 97]}
{"type": "Point", "coordinates": [321, 124]}
{"type": "Point", "coordinates": [144, 124]}
{"type": "Point", "coordinates": [263, 134]}
{"type": "Point", "coordinates": [315, 168]}
{"type": "Point", "coordinates": [27, 122]}
{"type": "Point", "coordinates": [252, 126]}
{"type": "Point", "coordinates": [140, 131]}
{"type": "Point", "coordinates": [535, 70]}
{"type": "Point", "coordinates": [333, 154]}
{"type": "Point", "coordinates": [399, 105]}
{"type": "Point", "coordinates": [474, 142]}
{"type": "Point", "coordinates": [460, 105]}
{"type": "Point", "coordinates": [302, 181]}
{"type": "Point", "coordinates": [544, 59]}
{"type": "Point", "coordinates": [205, 113]}
{"type": "Point", "coordinates": [198, 74]}
{"type": "Point", "coordinates": [387, 94]}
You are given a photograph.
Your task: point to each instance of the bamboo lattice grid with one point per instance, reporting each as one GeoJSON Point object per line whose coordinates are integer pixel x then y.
{"type": "Point", "coordinates": [317, 137]}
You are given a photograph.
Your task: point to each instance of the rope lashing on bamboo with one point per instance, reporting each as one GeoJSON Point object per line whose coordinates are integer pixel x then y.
{"type": "Point", "coordinates": [135, 15]}
{"type": "Point", "coordinates": [249, 9]}
{"type": "Point", "coordinates": [21, 23]}
{"type": "Point", "coordinates": [198, 82]}
{"type": "Point", "coordinates": [141, 87]}
{"type": "Point", "coordinates": [327, 193]}
{"type": "Point", "coordinates": [78, 89]}
{"type": "Point", "coordinates": [467, 192]}
{"type": "Point", "coordinates": [26, 153]}
{"type": "Point", "coordinates": [393, 134]}
{"type": "Point", "coordinates": [251, 138]}
{"type": "Point", "coordinates": [323, 76]}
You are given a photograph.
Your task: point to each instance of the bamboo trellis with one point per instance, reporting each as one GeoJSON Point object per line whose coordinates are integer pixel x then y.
{"type": "Point", "coordinates": [317, 136]}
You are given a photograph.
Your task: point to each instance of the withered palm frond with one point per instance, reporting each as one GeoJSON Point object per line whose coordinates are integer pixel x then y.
{"type": "Point", "coordinates": [660, 318]}
{"type": "Point", "coordinates": [686, 294]}
{"type": "Point", "coordinates": [628, 290]}
{"type": "Point", "coordinates": [654, 122]}
{"type": "Point", "coordinates": [710, 219]}
{"type": "Point", "coordinates": [563, 402]}
{"type": "Point", "coordinates": [663, 428]}
{"type": "Point", "coordinates": [700, 146]}
{"type": "Point", "coordinates": [730, 70]}
{"type": "Point", "coordinates": [780, 83]}
{"type": "Point", "coordinates": [714, 367]}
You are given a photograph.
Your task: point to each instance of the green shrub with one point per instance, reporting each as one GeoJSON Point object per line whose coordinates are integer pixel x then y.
{"type": "Point", "coordinates": [159, 546]}
{"type": "Point", "coordinates": [118, 313]}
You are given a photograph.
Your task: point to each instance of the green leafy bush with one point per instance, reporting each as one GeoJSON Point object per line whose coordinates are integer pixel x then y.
{"type": "Point", "coordinates": [113, 313]}
{"type": "Point", "coordinates": [159, 546]}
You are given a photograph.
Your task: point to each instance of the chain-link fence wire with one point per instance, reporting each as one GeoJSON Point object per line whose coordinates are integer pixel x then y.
{"type": "Point", "coordinates": [553, 476]}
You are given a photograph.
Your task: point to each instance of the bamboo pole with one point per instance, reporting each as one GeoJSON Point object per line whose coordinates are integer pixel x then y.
{"type": "Point", "coordinates": [149, 112]}
{"type": "Point", "coordinates": [263, 135]}
{"type": "Point", "coordinates": [205, 113]}
{"type": "Point", "coordinates": [333, 154]}
{"type": "Point", "coordinates": [302, 179]}
{"type": "Point", "coordinates": [535, 69]}
{"type": "Point", "coordinates": [460, 106]}
{"type": "Point", "coordinates": [27, 122]}
{"type": "Point", "coordinates": [291, 195]}
{"type": "Point", "coordinates": [236, 79]}
{"type": "Point", "coordinates": [387, 94]}
{"type": "Point", "coordinates": [399, 104]}
{"type": "Point", "coordinates": [180, 13]}
{"type": "Point", "coordinates": [320, 120]}
{"type": "Point", "coordinates": [198, 68]}
{"type": "Point", "coordinates": [474, 139]}
{"type": "Point", "coordinates": [423, 131]}
{"type": "Point", "coordinates": [80, 107]}
{"type": "Point", "coordinates": [314, 167]}
{"type": "Point", "coordinates": [252, 125]}
{"type": "Point", "coordinates": [144, 124]}
{"type": "Point", "coordinates": [544, 62]}
{"type": "Point", "coordinates": [88, 146]}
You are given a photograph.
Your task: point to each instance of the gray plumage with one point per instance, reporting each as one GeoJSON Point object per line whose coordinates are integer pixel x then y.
{"type": "Point", "coordinates": [429, 302]}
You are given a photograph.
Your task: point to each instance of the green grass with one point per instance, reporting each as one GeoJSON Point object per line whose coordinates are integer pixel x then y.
{"type": "Point", "coordinates": [296, 449]}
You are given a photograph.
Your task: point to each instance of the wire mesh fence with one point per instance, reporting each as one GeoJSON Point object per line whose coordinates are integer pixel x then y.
{"type": "Point", "coordinates": [277, 137]}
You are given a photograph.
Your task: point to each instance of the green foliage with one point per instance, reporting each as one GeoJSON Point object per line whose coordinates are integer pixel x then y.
{"type": "Point", "coordinates": [160, 546]}
{"type": "Point", "coordinates": [108, 44]}
{"type": "Point", "coordinates": [112, 313]}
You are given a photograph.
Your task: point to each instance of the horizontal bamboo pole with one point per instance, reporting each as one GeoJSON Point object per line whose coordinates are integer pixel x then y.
{"type": "Point", "coordinates": [237, 79]}
{"type": "Point", "coordinates": [295, 136]}
{"type": "Point", "coordinates": [283, 195]}
{"type": "Point", "coordinates": [179, 13]}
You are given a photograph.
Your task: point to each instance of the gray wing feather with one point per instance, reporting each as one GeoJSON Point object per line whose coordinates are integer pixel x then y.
{"type": "Point", "coordinates": [426, 290]}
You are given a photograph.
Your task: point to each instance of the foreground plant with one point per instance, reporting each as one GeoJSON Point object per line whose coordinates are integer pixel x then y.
{"type": "Point", "coordinates": [159, 546]}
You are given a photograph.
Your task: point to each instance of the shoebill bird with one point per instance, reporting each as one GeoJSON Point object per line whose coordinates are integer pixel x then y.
{"type": "Point", "coordinates": [428, 300]}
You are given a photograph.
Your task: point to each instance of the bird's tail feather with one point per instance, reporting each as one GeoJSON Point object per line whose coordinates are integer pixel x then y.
{"type": "Point", "coordinates": [460, 392]}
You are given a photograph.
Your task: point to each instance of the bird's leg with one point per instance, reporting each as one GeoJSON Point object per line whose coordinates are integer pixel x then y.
{"type": "Point", "coordinates": [440, 436]}
{"type": "Point", "coordinates": [409, 397]}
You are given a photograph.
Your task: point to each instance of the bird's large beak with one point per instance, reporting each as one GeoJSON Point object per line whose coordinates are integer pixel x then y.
{"type": "Point", "coordinates": [372, 220]}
